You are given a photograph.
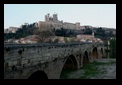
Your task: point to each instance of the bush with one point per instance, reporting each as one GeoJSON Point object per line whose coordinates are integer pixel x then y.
{"type": "Point", "coordinates": [65, 39]}
{"type": "Point", "coordinates": [56, 40]}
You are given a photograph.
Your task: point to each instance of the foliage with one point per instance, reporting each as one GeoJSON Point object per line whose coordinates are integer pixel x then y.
{"type": "Point", "coordinates": [88, 31]}
{"type": "Point", "coordinates": [30, 29]}
{"type": "Point", "coordinates": [113, 44]}
{"type": "Point", "coordinates": [56, 40]}
{"type": "Point", "coordinates": [89, 70]}
{"type": "Point", "coordinates": [107, 50]}
{"type": "Point", "coordinates": [65, 39]}
{"type": "Point", "coordinates": [23, 31]}
{"type": "Point", "coordinates": [45, 34]}
{"type": "Point", "coordinates": [64, 32]}
{"type": "Point", "coordinates": [65, 72]}
{"type": "Point", "coordinates": [113, 47]}
{"type": "Point", "coordinates": [92, 69]}
{"type": "Point", "coordinates": [72, 40]}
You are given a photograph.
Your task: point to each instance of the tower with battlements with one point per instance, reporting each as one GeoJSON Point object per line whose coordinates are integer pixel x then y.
{"type": "Point", "coordinates": [53, 22]}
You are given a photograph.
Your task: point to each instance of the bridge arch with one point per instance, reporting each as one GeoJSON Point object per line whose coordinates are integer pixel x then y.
{"type": "Point", "coordinates": [90, 56]}
{"type": "Point", "coordinates": [102, 53]}
{"type": "Point", "coordinates": [94, 53]}
{"type": "Point", "coordinates": [70, 62]}
{"type": "Point", "coordinates": [38, 75]}
{"type": "Point", "coordinates": [85, 57]}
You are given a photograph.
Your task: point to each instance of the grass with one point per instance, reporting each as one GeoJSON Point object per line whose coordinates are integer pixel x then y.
{"type": "Point", "coordinates": [65, 73]}
{"type": "Point", "coordinates": [92, 69]}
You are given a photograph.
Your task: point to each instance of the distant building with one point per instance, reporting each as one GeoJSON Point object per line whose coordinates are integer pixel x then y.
{"type": "Point", "coordinates": [6, 31]}
{"type": "Point", "coordinates": [53, 22]}
{"type": "Point", "coordinates": [88, 38]}
{"type": "Point", "coordinates": [82, 27]}
{"type": "Point", "coordinates": [82, 40]}
{"type": "Point", "coordinates": [85, 36]}
{"type": "Point", "coordinates": [11, 30]}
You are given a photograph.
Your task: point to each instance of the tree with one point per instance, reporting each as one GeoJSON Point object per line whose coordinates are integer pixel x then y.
{"type": "Point", "coordinates": [65, 39]}
{"type": "Point", "coordinates": [56, 40]}
{"type": "Point", "coordinates": [36, 31]}
{"type": "Point", "coordinates": [113, 47]}
{"type": "Point", "coordinates": [45, 34]}
{"type": "Point", "coordinates": [88, 31]}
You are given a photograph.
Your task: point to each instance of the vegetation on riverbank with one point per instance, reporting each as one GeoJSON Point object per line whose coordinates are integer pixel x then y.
{"type": "Point", "coordinates": [92, 69]}
{"type": "Point", "coordinates": [88, 71]}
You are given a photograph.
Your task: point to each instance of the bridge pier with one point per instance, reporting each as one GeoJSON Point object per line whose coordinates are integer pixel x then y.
{"type": "Point", "coordinates": [46, 62]}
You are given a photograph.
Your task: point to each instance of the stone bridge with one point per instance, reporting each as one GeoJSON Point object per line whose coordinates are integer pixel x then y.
{"type": "Point", "coordinates": [47, 61]}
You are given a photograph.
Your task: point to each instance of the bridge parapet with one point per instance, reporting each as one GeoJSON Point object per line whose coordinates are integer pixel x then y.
{"type": "Point", "coordinates": [18, 56]}
{"type": "Point", "coordinates": [23, 56]}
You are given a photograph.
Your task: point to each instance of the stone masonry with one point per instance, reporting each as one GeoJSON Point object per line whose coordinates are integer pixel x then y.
{"type": "Point", "coordinates": [21, 61]}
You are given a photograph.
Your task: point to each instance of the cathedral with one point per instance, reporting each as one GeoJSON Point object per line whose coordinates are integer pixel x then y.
{"type": "Point", "coordinates": [53, 22]}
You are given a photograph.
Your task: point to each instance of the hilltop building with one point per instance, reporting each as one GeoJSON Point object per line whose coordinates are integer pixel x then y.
{"type": "Point", "coordinates": [53, 22]}
{"type": "Point", "coordinates": [11, 30]}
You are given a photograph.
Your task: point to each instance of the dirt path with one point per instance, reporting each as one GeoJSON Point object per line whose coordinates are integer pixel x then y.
{"type": "Point", "coordinates": [108, 71]}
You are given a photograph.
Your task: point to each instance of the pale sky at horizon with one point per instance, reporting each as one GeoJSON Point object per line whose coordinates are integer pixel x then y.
{"type": "Point", "coordinates": [97, 15]}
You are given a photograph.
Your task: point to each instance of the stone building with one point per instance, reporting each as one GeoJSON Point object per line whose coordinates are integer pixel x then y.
{"type": "Point", "coordinates": [11, 30]}
{"type": "Point", "coordinates": [53, 22]}
{"type": "Point", "coordinates": [85, 36]}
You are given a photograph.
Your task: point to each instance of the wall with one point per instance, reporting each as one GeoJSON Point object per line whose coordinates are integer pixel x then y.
{"type": "Point", "coordinates": [21, 61]}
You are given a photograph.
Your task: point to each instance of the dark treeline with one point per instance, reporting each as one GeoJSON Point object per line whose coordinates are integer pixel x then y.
{"type": "Point", "coordinates": [101, 32]}
{"type": "Point", "coordinates": [64, 32]}
{"type": "Point", "coordinates": [30, 29]}
{"type": "Point", "coordinates": [23, 31]}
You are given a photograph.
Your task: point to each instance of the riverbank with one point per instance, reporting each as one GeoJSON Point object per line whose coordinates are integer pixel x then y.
{"type": "Point", "coordinates": [99, 69]}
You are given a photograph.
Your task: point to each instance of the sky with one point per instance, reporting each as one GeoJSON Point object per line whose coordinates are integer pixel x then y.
{"type": "Point", "coordinates": [96, 15]}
